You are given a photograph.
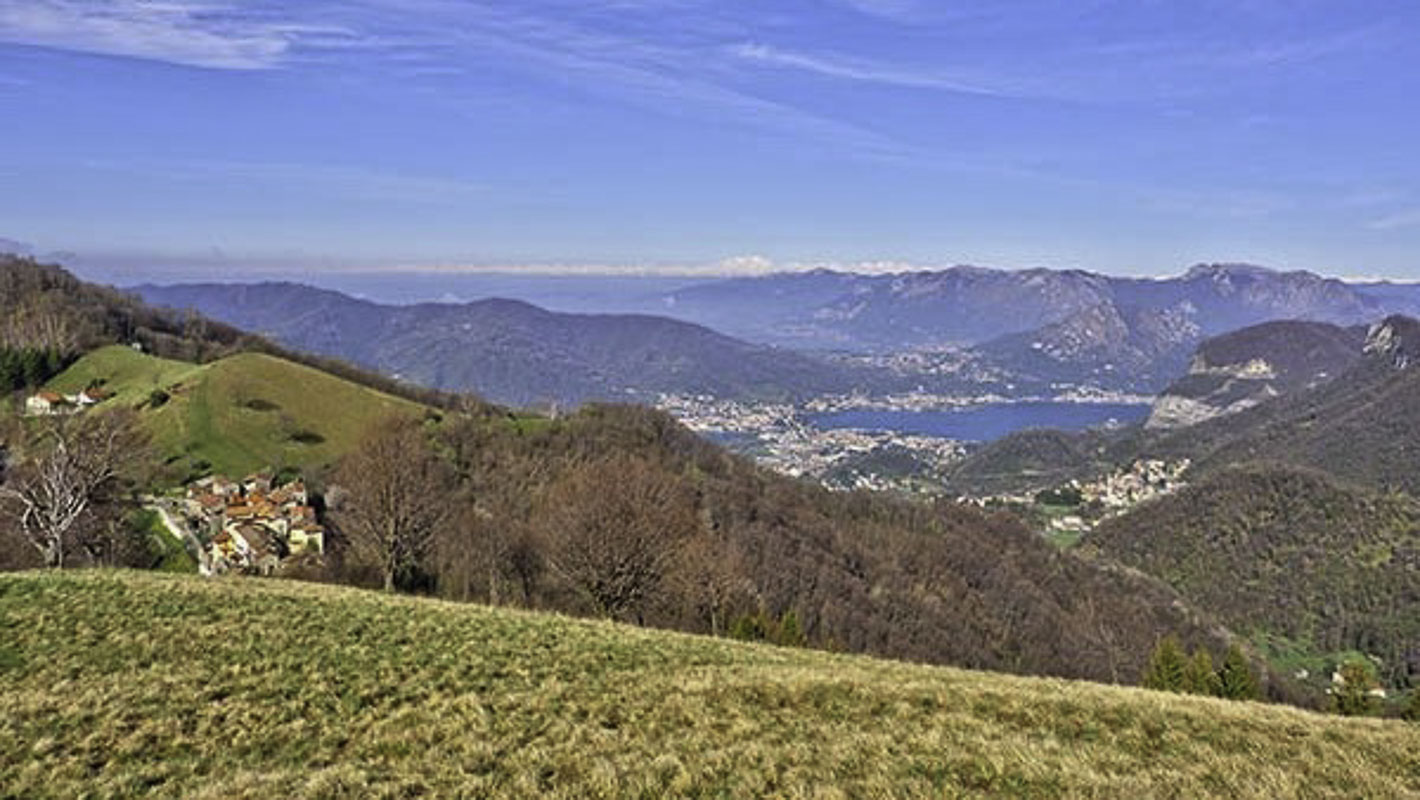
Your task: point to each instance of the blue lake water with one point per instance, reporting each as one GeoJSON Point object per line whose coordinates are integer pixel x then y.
{"type": "Point", "coordinates": [986, 422]}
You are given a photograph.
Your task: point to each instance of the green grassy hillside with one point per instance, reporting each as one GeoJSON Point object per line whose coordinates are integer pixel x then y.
{"type": "Point", "coordinates": [240, 413]}
{"type": "Point", "coordinates": [115, 684]}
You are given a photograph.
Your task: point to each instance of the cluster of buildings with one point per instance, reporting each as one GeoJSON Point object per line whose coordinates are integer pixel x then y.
{"type": "Point", "coordinates": [48, 404]}
{"type": "Point", "coordinates": [777, 436]}
{"type": "Point", "coordinates": [1093, 501]}
{"type": "Point", "coordinates": [1144, 479]}
{"type": "Point", "coordinates": [253, 525]}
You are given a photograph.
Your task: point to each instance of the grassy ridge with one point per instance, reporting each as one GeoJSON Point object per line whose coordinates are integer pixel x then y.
{"type": "Point", "coordinates": [126, 684]}
{"type": "Point", "coordinates": [241, 413]}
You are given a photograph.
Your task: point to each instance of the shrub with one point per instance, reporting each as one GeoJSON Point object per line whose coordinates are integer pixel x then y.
{"type": "Point", "coordinates": [305, 436]}
{"type": "Point", "coordinates": [1412, 707]}
{"type": "Point", "coordinates": [1351, 691]}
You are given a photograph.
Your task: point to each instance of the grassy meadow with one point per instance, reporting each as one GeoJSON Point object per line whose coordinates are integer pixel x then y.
{"type": "Point", "coordinates": [129, 684]}
{"type": "Point", "coordinates": [239, 414]}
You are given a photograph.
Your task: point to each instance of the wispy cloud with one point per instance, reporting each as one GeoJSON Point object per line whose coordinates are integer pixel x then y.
{"type": "Point", "coordinates": [858, 70]}
{"type": "Point", "coordinates": [897, 10]}
{"type": "Point", "coordinates": [1406, 218]}
{"type": "Point", "coordinates": [182, 32]}
{"type": "Point", "coordinates": [667, 75]}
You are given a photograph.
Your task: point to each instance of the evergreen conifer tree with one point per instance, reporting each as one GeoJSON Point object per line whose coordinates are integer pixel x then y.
{"type": "Point", "coordinates": [1166, 666]}
{"type": "Point", "coordinates": [1199, 677]}
{"type": "Point", "coordinates": [790, 634]}
{"type": "Point", "coordinates": [1236, 680]}
{"type": "Point", "coordinates": [1412, 708]}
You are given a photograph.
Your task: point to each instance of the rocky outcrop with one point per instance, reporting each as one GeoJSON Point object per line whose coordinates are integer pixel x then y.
{"type": "Point", "coordinates": [1240, 370]}
{"type": "Point", "coordinates": [1395, 338]}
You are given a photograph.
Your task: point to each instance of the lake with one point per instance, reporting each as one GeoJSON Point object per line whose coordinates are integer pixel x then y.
{"type": "Point", "coordinates": [986, 422]}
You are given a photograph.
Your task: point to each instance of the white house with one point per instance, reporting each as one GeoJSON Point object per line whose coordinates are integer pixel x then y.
{"type": "Point", "coordinates": [47, 403]}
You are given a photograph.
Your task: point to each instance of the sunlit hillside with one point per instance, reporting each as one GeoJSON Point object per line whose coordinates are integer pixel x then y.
{"type": "Point", "coordinates": [128, 684]}
{"type": "Point", "coordinates": [240, 413]}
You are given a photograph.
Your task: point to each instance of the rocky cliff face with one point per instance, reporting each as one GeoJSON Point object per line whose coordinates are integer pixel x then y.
{"type": "Point", "coordinates": [1237, 371]}
{"type": "Point", "coordinates": [1394, 338]}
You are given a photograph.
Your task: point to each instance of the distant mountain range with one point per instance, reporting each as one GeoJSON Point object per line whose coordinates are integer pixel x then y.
{"type": "Point", "coordinates": [971, 305]}
{"type": "Point", "coordinates": [1039, 327]}
{"type": "Point", "coordinates": [513, 352]}
{"type": "Point", "coordinates": [1031, 332]}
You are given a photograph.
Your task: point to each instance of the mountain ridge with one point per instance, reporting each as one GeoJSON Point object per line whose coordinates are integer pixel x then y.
{"type": "Point", "coordinates": [512, 351]}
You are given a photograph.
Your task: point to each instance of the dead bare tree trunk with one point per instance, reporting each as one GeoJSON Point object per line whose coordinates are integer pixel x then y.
{"type": "Point", "coordinates": [66, 467]}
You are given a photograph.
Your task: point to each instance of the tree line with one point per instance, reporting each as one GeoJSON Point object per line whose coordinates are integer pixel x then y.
{"type": "Point", "coordinates": [620, 512]}
{"type": "Point", "coordinates": [28, 367]}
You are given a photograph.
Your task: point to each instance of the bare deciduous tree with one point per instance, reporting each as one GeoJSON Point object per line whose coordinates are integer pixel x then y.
{"type": "Point", "coordinates": [709, 575]}
{"type": "Point", "coordinates": [397, 495]}
{"type": "Point", "coordinates": [613, 527]}
{"type": "Point", "coordinates": [66, 470]}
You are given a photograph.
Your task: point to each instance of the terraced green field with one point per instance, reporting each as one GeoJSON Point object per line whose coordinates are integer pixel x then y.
{"type": "Point", "coordinates": [141, 684]}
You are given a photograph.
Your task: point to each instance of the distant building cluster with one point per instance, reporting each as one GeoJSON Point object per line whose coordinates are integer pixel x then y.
{"type": "Point", "coordinates": [49, 404]}
{"type": "Point", "coordinates": [777, 437]}
{"type": "Point", "coordinates": [1140, 481]}
{"type": "Point", "coordinates": [253, 525]}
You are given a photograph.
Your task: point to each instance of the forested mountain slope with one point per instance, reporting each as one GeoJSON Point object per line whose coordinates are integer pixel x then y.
{"type": "Point", "coordinates": [1277, 552]}
{"type": "Point", "coordinates": [513, 352]}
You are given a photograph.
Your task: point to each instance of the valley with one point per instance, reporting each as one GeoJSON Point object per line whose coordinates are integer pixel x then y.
{"type": "Point", "coordinates": [831, 399]}
{"type": "Point", "coordinates": [905, 443]}
{"type": "Point", "coordinates": [1001, 532]}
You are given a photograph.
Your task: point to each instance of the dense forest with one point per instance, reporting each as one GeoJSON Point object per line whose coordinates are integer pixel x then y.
{"type": "Point", "coordinates": [1290, 554]}
{"type": "Point", "coordinates": [565, 514]}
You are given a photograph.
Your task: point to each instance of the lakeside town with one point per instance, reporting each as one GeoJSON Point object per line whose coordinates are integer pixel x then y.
{"type": "Point", "coordinates": [781, 436]}
{"type": "Point", "coordinates": [778, 436]}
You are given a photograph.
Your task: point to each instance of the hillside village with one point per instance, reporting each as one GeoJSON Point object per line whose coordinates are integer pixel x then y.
{"type": "Point", "coordinates": [252, 525]}
{"type": "Point", "coordinates": [1087, 503]}
{"type": "Point", "coordinates": [47, 404]}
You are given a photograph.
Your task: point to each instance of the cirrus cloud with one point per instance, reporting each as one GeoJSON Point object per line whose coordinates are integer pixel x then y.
{"type": "Point", "coordinates": [175, 31]}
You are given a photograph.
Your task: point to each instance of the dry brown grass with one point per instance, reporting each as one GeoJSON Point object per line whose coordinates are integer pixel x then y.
{"type": "Point", "coordinates": [121, 684]}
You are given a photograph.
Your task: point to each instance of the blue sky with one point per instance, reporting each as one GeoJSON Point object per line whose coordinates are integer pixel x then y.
{"type": "Point", "coordinates": [1131, 137]}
